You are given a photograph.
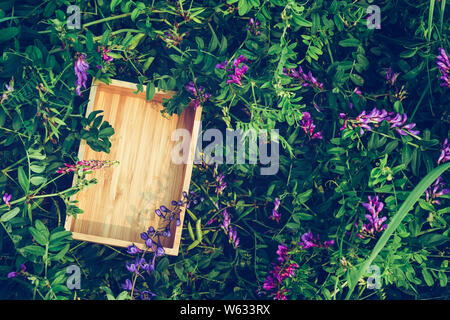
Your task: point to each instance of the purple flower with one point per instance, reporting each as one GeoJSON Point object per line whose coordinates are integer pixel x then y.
{"type": "Point", "coordinates": [220, 183]}
{"type": "Point", "coordinates": [275, 214]}
{"type": "Point", "coordinates": [308, 126]}
{"type": "Point", "coordinates": [200, 96]}
{"type": "Point", "coordinates": [253, 26]}
{"type": "Point", "coordinates": [6, 198]}
{"type": "Point", "coordinates": [81, 67]}
{"type": "Point", "coordinates": [160, 251]}
{"type": "Point", "coordinates": [436, 190]}
{"type": "Point", "coordinates": [133, 249]}
{"type": "Point", "coordinates": [132, 267]}
{"type": "Point", "coordinates": [391, 77]}
{"type": "Point", "coordinates": [14, 274]}
{"type": "Point", "coordinates": [375, 225]}
{"type": "Point", "coordinates": [445, 152]}
{"type": "Point", "coordinates": [127, 285]}
{"type": "Point", "coordinates": [147, 295]}
{"type": "Point", "coordinates": [308, 241]}
{"type": "Point", "coordinates": [305, 79]}
{"type": "Point", "coordinates": [222, 65]}
{"type": "Point", "coordinates": [280, 272]}
{"type": "Point", "coordinates": [365, 121]}
{"type": "Point", "coordinates": [105, 56]}
{"type": "Point", "coordinates": [239, 71]}
{"type": "Point", "coordinates": [443, 64]}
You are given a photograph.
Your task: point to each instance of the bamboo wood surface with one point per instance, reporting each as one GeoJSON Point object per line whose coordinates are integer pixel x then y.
{"type": "Point", "coordinates": [121, 205]}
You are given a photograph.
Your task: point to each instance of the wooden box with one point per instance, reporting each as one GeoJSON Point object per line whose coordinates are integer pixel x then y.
{"type": "Point", "coordinates": [122, 204]}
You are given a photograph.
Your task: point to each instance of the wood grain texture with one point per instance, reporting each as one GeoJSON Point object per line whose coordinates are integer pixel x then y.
{"type": "Point", "coordinates": [121, 205]}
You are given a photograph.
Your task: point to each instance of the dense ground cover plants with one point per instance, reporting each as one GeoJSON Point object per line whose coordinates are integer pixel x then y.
{"type": "Point", "coordinates": [358, 208]}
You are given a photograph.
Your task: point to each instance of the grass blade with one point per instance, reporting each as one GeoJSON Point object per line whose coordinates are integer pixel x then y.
{"type": "Point", "coordinates": [395, 222]}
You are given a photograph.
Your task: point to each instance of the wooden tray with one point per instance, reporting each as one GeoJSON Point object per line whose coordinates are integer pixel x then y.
{"type": "Point", "coordinates": [122, 204]}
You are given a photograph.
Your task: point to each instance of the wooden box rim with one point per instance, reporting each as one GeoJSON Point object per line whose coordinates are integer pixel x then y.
{"type": "Point", "coordinates": [159, 95]}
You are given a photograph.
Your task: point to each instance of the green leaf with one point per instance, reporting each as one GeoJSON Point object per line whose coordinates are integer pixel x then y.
{"type": "Point", "coordinates": [37, 180]}
{"type": "Point", "coordinates": [351, 42]}
{"type": "Point", "coordinates": [198, 229]}
{"type": "Point", "coordinates": [23, 180]}
{"type": "Point", "coordinates": [106, 132]}
{"type": "Point", "coordinates": [33, 249]}
{"type": "Point", "coordinates": [8, 33]}
{"type": "Point", "coordinates": [150, 91]}
{"type": "Point", "coordinates": [191, 232]}
{"type": "Point", "coordinates": [113, 4]}
{"type": "Point", "coordinates": [193, 245]}
{"type": "Point", "coordinates": [427, 277]}
{"type": "Point", "coordinates": [38, 236]}
{"type": "Point", "coordinates": [89, 41]}
{"type": "Point", "coordinates": [10, 214]}
{"type": "Point", "coordinates": [407, 205]}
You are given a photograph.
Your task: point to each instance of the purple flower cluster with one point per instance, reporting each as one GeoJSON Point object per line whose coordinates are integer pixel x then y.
{"type": "Point", "coordinates": [365, 121]}
{"type": "Point", "coordinates": [236, 70]}
{"type": "Point", "coordinates": [7, 198]}
{"type": "Point", "coordinates": [253, 26]}
{"type": "Point", "coordinates": [152, 240]}
{"type": "Point", "coordinates": [307, 124]}
{"type": "Point", "coordinates": [86, 165]}
{"type": "Point", "coordinates": [220, 181]}
{"type": "Point", "coordinates": [443, 63]}
{"type": "Point", "coordinates": [306, 79]}
{"type": "Point", "coordinates": [308, 241]}
{"type": "Point", "coordinates": [275, 214]}
{"type": "Point", "coordinates": [436, 190]}
{"type": "Point", "coordinates": [81, 67]}
{"type": "Point", "coordinates": [445, 152]}
{"type": "Point", "coordinates": [280, 272]}
{"type": "Point", "coordinates": [228, 229]}
{"type": "Point", "coordinates": [199, 94]}
{"type": "Point", "coordinates": [375, 224]}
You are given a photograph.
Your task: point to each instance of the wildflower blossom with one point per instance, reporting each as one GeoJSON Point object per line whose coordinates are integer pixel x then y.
{"type": "Point", "coordinates": [86, 165]}
{"type": "Point", "coordinates": [280, 272]}
{"type": "Point", "coordinates": [229, 230]}
{"type": "Point", "coordinates": [253, 26]}
{"type": "Point", "coordinates": [436, 190]}
{"type": "Point", "coordinates": [375, 224]}
{"type": "Point", "coordinates": [365, 121]}
{"type": "Point", "coordinates": [308, 126]}
{"type": "Point", "coordinates": [443, 63]}
{"type": "Point", "coordinates": [391, 77]}
{"type": "Point", "coordinates": [81, 67]}
{"type": "Point", "coordinates": [7, 198]}
{"type": "Point", "coordinates": [200, 96]}
{"type": "Point", "coordinates": [305, 79]}
{"type": "Point", "coordinates": [238, 68]}
{"type": "Point", "coordinates": [308, 241]}
{"type": "Point", "coordinates": [445, 152]}
{"type": "Point", "coordinates": [14, 274]}
{"type": "Point", "coordinates": [220, 183]}
{"type": "Point", "coordinates": [275, 214]}
{"type": "Point", "coordinates": [105, 56]}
